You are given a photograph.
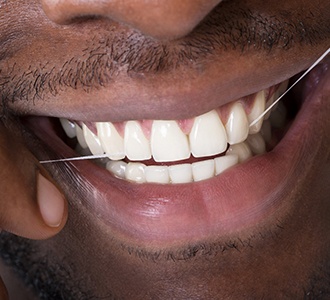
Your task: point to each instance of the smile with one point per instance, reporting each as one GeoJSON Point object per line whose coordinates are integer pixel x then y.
{"type": "Point", "coordinates": [191, 179]}
{"type": "Point", "coordinates": [168, 151]}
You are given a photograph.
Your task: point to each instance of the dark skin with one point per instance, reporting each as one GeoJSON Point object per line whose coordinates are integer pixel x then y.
{"type": "Point", "coordinates": [284, 255]}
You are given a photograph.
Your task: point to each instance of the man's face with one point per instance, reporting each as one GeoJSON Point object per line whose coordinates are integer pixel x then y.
{"type": "Point", "coordinates": [166, 220]}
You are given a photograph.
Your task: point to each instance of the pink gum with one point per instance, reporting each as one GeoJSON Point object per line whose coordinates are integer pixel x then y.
{"type": "Point", "coordinates": [186, 124]}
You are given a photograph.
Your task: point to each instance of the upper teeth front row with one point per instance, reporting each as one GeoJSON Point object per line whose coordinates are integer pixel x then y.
{"type": "Point", "coordinates": [168, 143]}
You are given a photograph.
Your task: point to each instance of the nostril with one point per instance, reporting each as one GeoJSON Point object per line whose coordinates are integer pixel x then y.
{"type": "Point", "coordinates": [161, 19]}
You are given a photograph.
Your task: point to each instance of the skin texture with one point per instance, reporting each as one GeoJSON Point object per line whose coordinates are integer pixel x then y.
{"type": "Point", "coordinates": [200, 61]}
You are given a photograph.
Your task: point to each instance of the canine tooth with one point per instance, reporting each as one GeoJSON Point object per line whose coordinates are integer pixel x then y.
{"type": "Point", "coordinates": [242, 150]}
{"type": "Point", "coordinates": [168, 142]}
{"type": "Point", "coordinates": [69, 128]}
{"type": "Point", "coordinates": [80, 137]}
{"type": "Point", "coordinates": [203, 169]}
{"type": "Point", "coordinates": [208, 135]}
{"type": "Point", "coordinates": [118, 168]}
{"type": "Point", "coordinates": [256, 143]}
{"type": "Point", "coordinates": [92, 141]}
{"type": "Point", "coordinates": [112, 143]}
{"type": "Point", "coordinates": [137, 146]}
{"type": "Point", "coordinates": [135, 172]}
{"type": "Point", "coordinates": [237, 126]}
{"type": "Point", "coordinates": [257, 109]}
{"type": "Point", "coordinates": [225, 162]}
{"type": "Point", "coordinates": [157, 174]}
{"type": "Point", "coordinates": [180, 173]}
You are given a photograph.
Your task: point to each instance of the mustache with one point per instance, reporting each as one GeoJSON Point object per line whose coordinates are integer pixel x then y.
{"type": "Point", "coordinates": [127, 51]}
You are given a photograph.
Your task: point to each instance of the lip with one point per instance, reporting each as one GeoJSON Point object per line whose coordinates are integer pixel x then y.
{"type": "Point", "coordinates": [180, 95]}
{"type": "Point", "coordinates": [245, 196]}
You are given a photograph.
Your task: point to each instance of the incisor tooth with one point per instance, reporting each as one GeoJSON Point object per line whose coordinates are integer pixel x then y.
{"type": "Point", "coordinates": [168, 142]}
{"type": "Point", "coordinates": [92, 141]}
{"type": "Point", "coordinates": [208, 135]}
{"type": "Point", "coordinates": [137, 146]}
{"type": "Point", "coordinates": [157, 174]}
{"type": "Point", "coordinates": [258, 108]}
{"type": "Point", "coordinates": [242, 150]}
{"type": "Point", "coordinates": [135, 172]}
{"type": "Point", "coordinates": [112, 143]}
{"type": "Point", "coordinates": [203, 169]}
{"type": "Point", "coordinates": [180, 173]}
{"type": "Point", "coordinates": [237, 126]}
{"type": "Point", "coordinates": [225, 162]}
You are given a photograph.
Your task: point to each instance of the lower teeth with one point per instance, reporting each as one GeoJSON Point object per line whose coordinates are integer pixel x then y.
{"type": "Point", "coordinates": [186, 172]}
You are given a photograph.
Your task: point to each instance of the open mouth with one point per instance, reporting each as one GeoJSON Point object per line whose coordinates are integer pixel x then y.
{"type": "Point", "coordinates": [186, 180]}
{"type": "Point", "coordinates": [171, 151]}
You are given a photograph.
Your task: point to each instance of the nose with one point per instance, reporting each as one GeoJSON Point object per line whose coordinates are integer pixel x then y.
{"type": "Point", "coordinates": [161, 19]}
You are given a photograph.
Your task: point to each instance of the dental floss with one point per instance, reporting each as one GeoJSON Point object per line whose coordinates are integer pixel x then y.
{"type": "Point", "coordinates": [252, 123]}
{"type": "Point", "coordinates": [74, 158]}
{"type": "Point", "coordinates": [290, 88]}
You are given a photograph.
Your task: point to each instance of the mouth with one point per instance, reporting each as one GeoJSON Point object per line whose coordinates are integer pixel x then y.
{"type": "Point", "coordinates": [182, 151]}
{"type": "Point", "coordinates": [209, 176]}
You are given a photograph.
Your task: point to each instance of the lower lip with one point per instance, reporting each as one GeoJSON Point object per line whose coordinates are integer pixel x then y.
{"type": "Point", "coordinates": [241, 198]}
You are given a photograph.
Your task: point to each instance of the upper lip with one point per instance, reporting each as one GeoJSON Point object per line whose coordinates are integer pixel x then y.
{"type": "Point", "coordinates": [173, 96]}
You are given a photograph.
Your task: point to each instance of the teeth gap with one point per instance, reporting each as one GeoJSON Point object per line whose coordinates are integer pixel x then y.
{"type": "Point", "coordinates": [210, 148]}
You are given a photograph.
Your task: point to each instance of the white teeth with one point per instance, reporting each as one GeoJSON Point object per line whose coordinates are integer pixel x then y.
{"type": "Point", "coordinates": [92, 141]}
{"type": "Point", "coordinates": [69, 128]}
{"type": "Point", "coordinates": [237, 126]}
{"type": "Point", "coordinates": [180, 173]}
{"type": "Point", "coordinates": [112, 143]}
{"type": "Point", "coordinates": [257, 109]}
{"type": "Point", "coordinates": [242, 150]}
{"type": "Point", "coordinates": [203, 169]}
{"type": "Point", "coordinates": [135, 172]}
{"type": "Point", "coordinates": [136, 144]}
{"type": "Point", "coordinates": [168, 142]}
{"type": "Point", "coordinates": [80, 137]}
{"type": "Point", "coordinates": [223, 163]}
{"type": "Point", "coordinates": [118, 168]}
{"type": "Point", "coordinates": [208, 136]}
{"type": "Point", "coordinates": [256, 143]}
{"type": "Point", "coordinates": [157, 174]}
